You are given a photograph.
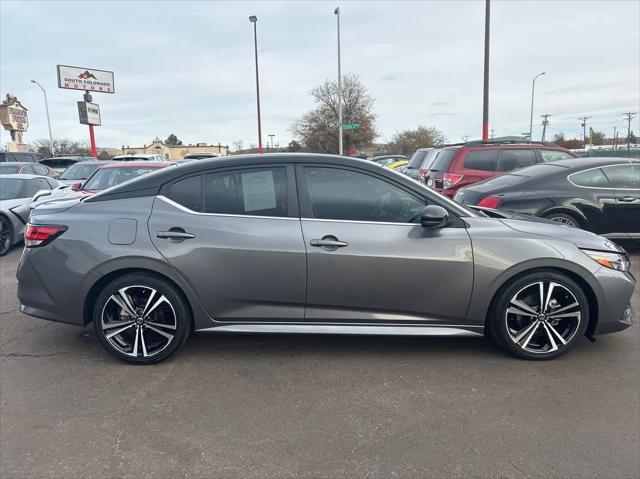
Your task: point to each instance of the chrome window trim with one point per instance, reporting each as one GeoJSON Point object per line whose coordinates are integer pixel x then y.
{"type": "Point", "coordinates": [361, 222]}
{"type": "Point", "coordinates": [224, 215]}
{"type": "Point", "coordinates": [602, 168]}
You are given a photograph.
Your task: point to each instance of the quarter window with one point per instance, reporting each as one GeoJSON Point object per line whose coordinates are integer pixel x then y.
{"type": "Point", "coordinates": [341, 194]}
{"type": "Point", "coordinates": [259, 191]}
{"type": "Point", "coordinates": [554, 155]}
{"type": "Point", "coordinates": [187, 192]}
{"type": "Point", "coordinates": [623, 176]}
{"type": "Point", "coordinates": [590, 179]}
{"type": "Point", "coordinates": [484, 160]}
{"type": "Point", "coordinates": [40, 169]}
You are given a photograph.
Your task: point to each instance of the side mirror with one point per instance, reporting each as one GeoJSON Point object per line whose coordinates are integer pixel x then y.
{"type": "Point", "coordinates": [76, 186]}
{"type": "Point", "coordinates": [39, 194]}
{"type": "Point", "coordinates": [434, 216]}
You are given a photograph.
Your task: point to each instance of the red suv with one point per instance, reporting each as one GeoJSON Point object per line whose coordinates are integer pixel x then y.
{"type": "Point", "coordinates": [455, 167]}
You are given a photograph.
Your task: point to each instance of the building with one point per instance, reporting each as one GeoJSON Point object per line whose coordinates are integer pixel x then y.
{"type": "Point", "coordinates": [158, 147]}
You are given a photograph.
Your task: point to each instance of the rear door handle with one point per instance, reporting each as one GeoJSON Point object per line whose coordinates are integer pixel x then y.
{"type": "Point", "coordinates": [330, 243]}
{"type": "Point", "coordinates": [175, 235]}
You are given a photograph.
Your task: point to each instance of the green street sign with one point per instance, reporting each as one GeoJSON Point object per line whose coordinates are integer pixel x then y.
{"type": "Point", "coordinates": [350, 126]}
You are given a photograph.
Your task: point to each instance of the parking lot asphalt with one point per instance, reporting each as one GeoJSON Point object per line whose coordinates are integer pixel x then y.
{"type": "Point", "coordinates": [275, 406]}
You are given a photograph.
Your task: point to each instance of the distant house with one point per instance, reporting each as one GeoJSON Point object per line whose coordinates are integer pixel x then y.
{"type": "Point", "coordinates": [158, 147]}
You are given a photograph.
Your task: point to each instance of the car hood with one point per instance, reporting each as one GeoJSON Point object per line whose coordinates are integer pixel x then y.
{"type": "Point", "coordinates": [581, 238]}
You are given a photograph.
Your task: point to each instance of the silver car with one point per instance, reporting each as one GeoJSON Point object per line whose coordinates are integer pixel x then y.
{"type": "Point", "coordinates": [294, 243]}
{"type": "Point", "coordinates": [16, 196]}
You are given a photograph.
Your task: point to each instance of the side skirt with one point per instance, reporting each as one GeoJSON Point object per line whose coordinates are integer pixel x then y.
{"type": "Point", "coordinates": [476, 331]}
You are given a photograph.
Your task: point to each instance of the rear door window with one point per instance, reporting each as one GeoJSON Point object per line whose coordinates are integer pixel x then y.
{"type": "Point", "coordinates": [40, 169]}
{"type": "Point", "coordinates": [514, 159]}
{"type": "Point", "coordinates": [623, 176]}
{"type": "Point", "coordinates": [593, 178]}
{"type": "Point", "coordinates": [483, 160]}
{"type": "Point", "coordinates": [255, 191]}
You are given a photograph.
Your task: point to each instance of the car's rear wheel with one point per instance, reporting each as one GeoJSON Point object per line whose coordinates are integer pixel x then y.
{"type": "Point", "coordinates": [564, 219]}
{"type": "Point", "coordinates": [6, 235]}
{"type": "Point", "coordinates": [141, 319]}
{"type": "Point", "coordinates": [540, 315]}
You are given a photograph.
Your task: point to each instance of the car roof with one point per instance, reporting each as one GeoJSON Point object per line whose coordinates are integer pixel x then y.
{"type": "Point", "coordinates": [137, 164]}
{"type": "Point", "coordinates": [19, 163]}
{"type": "Point", "coordinates": [71, 157]}
{"type": "Point", "coordinates": [151, 183]}
{"type": "Point", "coordinates": [24, 176]}
{"type": "Point", "coordinates": [582, 162]}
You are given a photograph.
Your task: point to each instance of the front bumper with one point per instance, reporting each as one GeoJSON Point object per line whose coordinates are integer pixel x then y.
{"type": "Point", "coordinates": [614, 291]}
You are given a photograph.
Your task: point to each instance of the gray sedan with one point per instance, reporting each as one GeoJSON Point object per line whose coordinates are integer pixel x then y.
{"type": "Point", "coordinates": [288, 243]}
{"type": "Point", "coordinates": [16, 196]}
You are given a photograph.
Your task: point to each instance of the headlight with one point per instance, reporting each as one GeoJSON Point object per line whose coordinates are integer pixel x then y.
{"type": "Point", "coordinates": [617, 261]}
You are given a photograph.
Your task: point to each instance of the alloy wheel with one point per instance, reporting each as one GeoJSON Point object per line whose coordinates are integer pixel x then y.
{"type": "Point", "coordinates": [564, 220]}
{"type": "Point", "coordinates": [138, 321]}
{"type": "Point", "coordinates": [543, 317]}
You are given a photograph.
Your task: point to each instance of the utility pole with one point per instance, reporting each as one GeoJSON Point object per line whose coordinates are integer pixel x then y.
{"type": "Point", "coordinates": [271, 138]}
{"type": "Point", "coordinates": [629, 115]}
{"type": "Point", "coordinates": [584, 130]}
{"type": "Point", "coordinates": [493, 133]}
{"type": "Point", "coordinates": [545, 122]}
{"type": "Point", "coordinates": [615, 137]}
{"type": "Point", "coordinates": [340, 151]}
{"type": "Point", "coordinates": [485, 97]}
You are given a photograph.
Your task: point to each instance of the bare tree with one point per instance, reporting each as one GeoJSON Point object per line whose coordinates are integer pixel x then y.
{"type": "Point", "coordinates": [407, 141]}
{"type": "Point", "coordinates": [317, 130]}
{"type": "Point", "coordinates": [238, 145]}
{"type": "Point", "coordinates": [62, 146]}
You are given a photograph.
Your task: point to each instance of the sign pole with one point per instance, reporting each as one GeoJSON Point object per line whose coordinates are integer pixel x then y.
{"type": "Point", "coordinates": [92, 137]}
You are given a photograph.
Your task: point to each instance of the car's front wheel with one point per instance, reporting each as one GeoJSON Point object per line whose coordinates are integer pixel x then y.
{"type": "Point", "coordinates": [539, 316]}
{"type": "Point", "coordinates": [6, 235]}
{"type": "Point", "coordinates": [141, 319]}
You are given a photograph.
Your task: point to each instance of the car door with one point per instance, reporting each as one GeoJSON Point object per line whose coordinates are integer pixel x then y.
{"type": "Point", "coordinates": [626, 181]}
{"type": "Point", "coordinates": [366, 260]}
{"type": "Point", "coordinates": [595, 198]}
{"type": "Point", "coordinates": [235, 236]}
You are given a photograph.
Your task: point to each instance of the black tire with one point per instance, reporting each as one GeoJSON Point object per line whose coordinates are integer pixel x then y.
{"type": "Point", "coordinates": [564, 219]}
{"type": "Point", "coordinates": [6, 235]}
{"type": "Point", "coordinates": [169, 316]}
{"type": "Point", "coordinates": [509, 329]}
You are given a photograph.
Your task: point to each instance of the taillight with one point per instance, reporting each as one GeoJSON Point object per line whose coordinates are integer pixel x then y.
{"type": "Point", "coordinates": [490, 202]}
{"type": "Point", "coordinates": [423, 173]}
{"type": "Point", "coordinates": [451, 179]}
{"type": "Point", "coordinates": [35, 235]}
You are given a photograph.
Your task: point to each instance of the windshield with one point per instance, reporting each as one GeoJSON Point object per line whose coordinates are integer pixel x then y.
{"type": "Point", "coordinates": [9, 167]}
{"type": "Point", "coordinates": [417, 158]}
{"type": "Point", "coordinates": [12, 188]}
{"type": "Point", "coordinates": [108, 177]}
{"type": "Point", "coordinates": [78, 172]}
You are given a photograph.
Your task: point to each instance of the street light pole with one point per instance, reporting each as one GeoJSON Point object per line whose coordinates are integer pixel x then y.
{"type": "Point", "coordinates": [340, 150]}
{"type": "Point", "coordinates": [485, 96]}
{"type": "Point", "coordinates": [253, 19]}
{"type": "Point", "coordinates": [46, 106]}
{"type": "Point", "coordinates": [533, 90]}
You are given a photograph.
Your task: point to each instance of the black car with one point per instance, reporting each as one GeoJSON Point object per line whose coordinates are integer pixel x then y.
{"type": "Point", "coordinates": [19, 156]}
{"type": "Point", "coordinates": [600, 195]}
{"type": "Point", "coordinates": [61, 163]}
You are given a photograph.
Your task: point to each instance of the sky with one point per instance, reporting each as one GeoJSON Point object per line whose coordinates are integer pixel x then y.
{"type": "Point", "coordinates": [187, 67]}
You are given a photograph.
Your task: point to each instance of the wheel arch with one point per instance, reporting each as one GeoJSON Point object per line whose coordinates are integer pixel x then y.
{"type": "Point", "coordinates": [589, 292]}
{"type": "Point", "coordinates": [567, 210]}
{"type": "Point", "coordinates": [114, 271]}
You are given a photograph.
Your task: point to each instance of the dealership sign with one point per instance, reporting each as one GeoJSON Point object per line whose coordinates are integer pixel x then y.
{"type": "Point", "coordinates": [13, 115]}
{"type": "Point", "coordinates": [89, 113]}
{"type": "Point", "coordinates": [85, 79]}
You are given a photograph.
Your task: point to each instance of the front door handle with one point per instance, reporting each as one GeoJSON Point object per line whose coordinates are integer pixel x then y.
{"type": "Point", "coordinates": [330, 243]}
{"type": "Point", "coordinates": [175, 234]}
{"type": "Point", "coordinates": [627, 199]}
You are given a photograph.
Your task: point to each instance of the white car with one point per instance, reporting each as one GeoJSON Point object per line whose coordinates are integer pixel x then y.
{"type": "Point", "coordinates": [138, 157]}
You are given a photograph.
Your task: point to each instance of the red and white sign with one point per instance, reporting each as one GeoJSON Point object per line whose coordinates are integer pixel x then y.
{"type": "Point", "coordinates": [85, 79]}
